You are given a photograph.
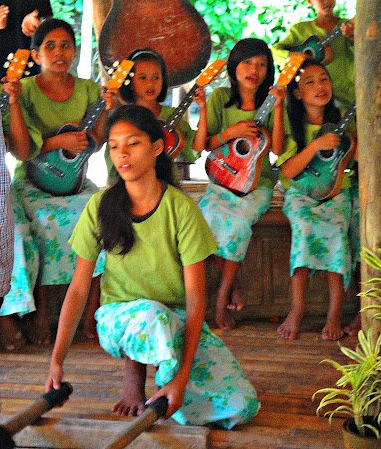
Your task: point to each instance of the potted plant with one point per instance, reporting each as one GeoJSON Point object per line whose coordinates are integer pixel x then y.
{"type": "Point", "coordinates": [357, 393]}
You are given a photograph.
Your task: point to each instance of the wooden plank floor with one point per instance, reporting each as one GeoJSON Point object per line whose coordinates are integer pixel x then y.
{"type": "Point", "coordinates": [284, 373]}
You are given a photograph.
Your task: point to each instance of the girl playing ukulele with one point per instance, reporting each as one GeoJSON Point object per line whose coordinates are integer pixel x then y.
{"type": "Point", "coordinates": [230, 112]}
{"type": "Point", "coordinates": [319, 229]}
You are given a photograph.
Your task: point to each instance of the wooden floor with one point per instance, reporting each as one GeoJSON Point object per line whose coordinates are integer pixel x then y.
{"type": "Point", "coordinates": [284, 373]}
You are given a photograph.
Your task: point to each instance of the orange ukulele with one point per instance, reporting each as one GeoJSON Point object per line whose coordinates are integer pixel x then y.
{"type": "Point", "coordinates": [174, 141]}
{"type": "Point", "coordinates": [15, 69]}
{"type": "Point", "coordinates": [237, 164]}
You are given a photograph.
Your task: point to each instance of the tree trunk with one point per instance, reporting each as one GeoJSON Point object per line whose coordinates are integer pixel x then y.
{"type": "Point", "coordinates": [368, 98]}
{"type": "Point", "coordinates": [101, 9]}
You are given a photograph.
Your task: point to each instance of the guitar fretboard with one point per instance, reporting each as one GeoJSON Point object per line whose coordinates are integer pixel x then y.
{"type": "Point", "coordinates": [346, 120]}
{"type": "Point", "coordinates": [331, 36]}
{"type": "Point", "coordinates": [4, 100]}
{"type": "Point", "coordinates": [174, 119]}
{"type": "Point", "coordinates": [92, 116]}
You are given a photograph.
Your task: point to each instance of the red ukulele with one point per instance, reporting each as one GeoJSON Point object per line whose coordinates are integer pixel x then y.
{"type": "Point", "coordinates": [237, 164]}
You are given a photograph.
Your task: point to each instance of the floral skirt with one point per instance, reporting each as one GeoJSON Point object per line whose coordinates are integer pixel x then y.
{"type": "Point", "coordinates": [43, 256]}
{"type": "Point", "coordinates": [149, 332]}
{"type": "Point", "coordinates": [319, 232]}
{"type": "Point", "coordinates": [231, 217]}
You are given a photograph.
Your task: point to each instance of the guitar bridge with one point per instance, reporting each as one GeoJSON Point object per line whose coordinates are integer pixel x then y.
{"type": "Point", "coordinates": [228, 167]}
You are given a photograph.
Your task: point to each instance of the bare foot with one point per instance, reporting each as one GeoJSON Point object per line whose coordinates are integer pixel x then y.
{"type": "Point", "coordinates": [90, 328]}
{"type": "Point", "coordinates": [40, 333]}
{"type": "Point", "coordinates": [289, 329]}
{"type": "Point", "coordinates": [354, 326]}
{"type": "Point", "coordinates": [132, 401]}
{"type": "Point", "coordinates": [236, 301]}
{"type": "Point", "coordinates": [11, 335]}
{"type": "Point", "coordinates": [224, 319]}
{"type": "Point", "coordinates": [332, 331]}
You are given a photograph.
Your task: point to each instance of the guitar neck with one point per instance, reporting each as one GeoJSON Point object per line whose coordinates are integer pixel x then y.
{"type": "Point", "coordinates": [4, 100]}
{"type": "Point", "coordinates": [346, 120]}
{"type": "Point", "coordinates": [174, 118]}
{"type": "Point", "coordinates": [330, 37]}
{"type": "Point", "coordinates": [264, 110]}
{"type": "Point", "coordinates": [93, 115]}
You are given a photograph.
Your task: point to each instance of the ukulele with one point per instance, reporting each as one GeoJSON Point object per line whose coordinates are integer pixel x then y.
{"type": "Point", "coordinates": [60, 172]}
{"type": "Point", "coordinates": [323, 176]}
{"type": "Point", "coordinates": [16, 69]}
{"type": "Point", "coordinates": [318, 48]}
{"type": "Point", "coordinates": [237, 164]}
{"type": "Point", "coordinates": [173, 28]}
{"type": "Point", "coordinates": [174, 141]}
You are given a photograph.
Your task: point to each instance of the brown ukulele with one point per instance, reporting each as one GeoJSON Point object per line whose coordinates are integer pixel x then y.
{"type": "Point", "coordinates": [173, 28]}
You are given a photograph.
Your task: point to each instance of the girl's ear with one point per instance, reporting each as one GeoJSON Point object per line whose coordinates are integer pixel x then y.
{"type": "Point", "coordinates": [158, 146]}
{"type": "Point", "coordinates": [35, 57]}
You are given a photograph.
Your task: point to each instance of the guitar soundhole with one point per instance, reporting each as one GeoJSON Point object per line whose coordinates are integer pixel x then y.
{"type": "Point", "coordinates": [67, 155]}
{"type": "Point", "coordinates": [327, 154]}
{"type": "Point", "coordinates": [242, 147]}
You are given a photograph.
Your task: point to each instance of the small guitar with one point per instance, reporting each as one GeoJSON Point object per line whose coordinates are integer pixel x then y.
{"type": "Point", "coordinates": [323, 176]}
{"type": "Point", "coordinates": [318, 48]}
{"type": "Point", "coordinates": [60, 172]}
{"type": "Point", "coordinates": [174, 141]}
{"type": "Point", "coordinates": [16, 69]}
{"type": "Point", "coordinates": [237, 164]}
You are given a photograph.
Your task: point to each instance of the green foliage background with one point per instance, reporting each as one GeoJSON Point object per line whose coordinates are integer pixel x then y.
{"type": "Point", "coordinates": [231, 20]}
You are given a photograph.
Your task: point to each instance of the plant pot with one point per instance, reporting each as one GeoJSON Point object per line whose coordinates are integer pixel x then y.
{"type": "Point", "coordinates": [352, 440]}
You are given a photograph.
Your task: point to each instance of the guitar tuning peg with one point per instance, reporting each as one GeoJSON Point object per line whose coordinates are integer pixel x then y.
{"type": "Point", "coordinates": [30, 64]}
{"type": "Point", "coordinates": [7, 64]}
{"type": "Point", "coordinates": [131, 74]}
{"type": "Point", "coordinates": [115, 64]}
{"type": "Point", "coordinates": [10, 56]}
{"type": "Point", "coordinates": [127, 82]}
{"type": "Point", "coordinates": [110, 71]}
{"type": "Point", "coordinates": [27, 73]}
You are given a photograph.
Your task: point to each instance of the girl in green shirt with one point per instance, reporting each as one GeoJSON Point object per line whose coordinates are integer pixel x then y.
{"type": "Point", "coordinates": [319, 228]}
{"type": "Point", "coordinates": [156, 242]}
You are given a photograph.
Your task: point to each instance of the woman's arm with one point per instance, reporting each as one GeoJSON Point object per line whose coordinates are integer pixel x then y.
{"type": "Point", "coordinates": [194, 276]}
{"type": "Point", "coordinates": [277, 136]}
{"type": "Point", "coordinates": [71, 312]}
{"type": "Point", "coordinates": [199, 141]}
{"type": "Point", "coordinates": [19, 141]}
{"type": "Point", "coordinates": [296, 164]}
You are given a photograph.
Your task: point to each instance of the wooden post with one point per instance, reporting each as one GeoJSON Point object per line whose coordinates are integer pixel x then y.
{"type": "Point", "coordinates": [368, 98]}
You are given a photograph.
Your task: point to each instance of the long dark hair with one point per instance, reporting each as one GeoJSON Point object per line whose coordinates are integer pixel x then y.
{"type": "Point", "coordinates": [46, 27]}
{"type": "Point", "coordinates": [115, 218]}
{"type": "Point", "coordinates": [146, 54]}
{"type": "Point", "coordinates": [246, 49]}
{"type": "Point", "coordinates": [297, 112]}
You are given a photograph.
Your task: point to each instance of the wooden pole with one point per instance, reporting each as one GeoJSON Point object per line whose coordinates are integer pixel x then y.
{"type": "Point", "coordinates": [368, 98]}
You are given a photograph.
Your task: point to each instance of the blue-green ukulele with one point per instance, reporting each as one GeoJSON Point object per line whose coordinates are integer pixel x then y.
{"type": "Point", "coordinates": [323, 176]}
{"type": "Point", "coordinates": [318, 48]}
{"type": "Point", "coordinates": [60, 172]}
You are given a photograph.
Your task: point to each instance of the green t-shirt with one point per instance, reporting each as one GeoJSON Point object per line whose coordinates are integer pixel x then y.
{"type": "Point", "coordinates": [341, 66]}
{"type": "Point", "coordinates": [221, 118]}
{"type": "Point", "coordinates": [46, 116]}
{"type": "Point", "coordinates": [311, 132]}
{"type": "Point", "coordinates": [187, 155]}
{"type": "Point", "coordinates": [175, 235]}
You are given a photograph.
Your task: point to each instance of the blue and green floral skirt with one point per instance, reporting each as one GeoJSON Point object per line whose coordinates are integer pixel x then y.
{"type": "Point", "coordinates": [43, 256]}
{"type": "Point", "coordinates": [231, 217]}
{"type": "Point", "coordinates": [149, 332]}
{"type": "Point", "coordinates": [319, 232]}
